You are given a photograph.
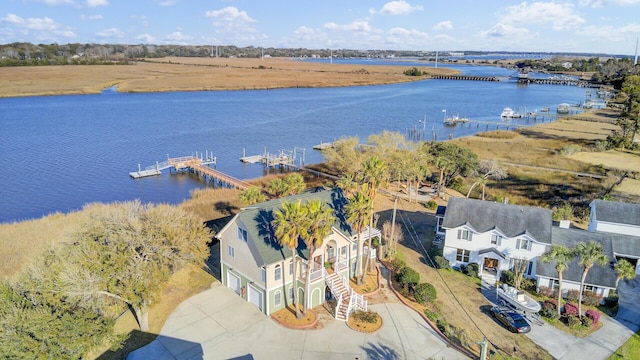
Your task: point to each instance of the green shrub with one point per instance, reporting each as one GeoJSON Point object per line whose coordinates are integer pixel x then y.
{"type": "Point", "coordinates": [586, 321]}
{"type": "Point", "coordinates": [507, 277]}
{"type": "Point", "coordinates": [573, 321]}
{"type": "Point", "coordinates": [408, 276]}
{"type": "Point", "coordinates": [398, 263]}
{"type": "Point", "coordinates": [431, 205]}
{"type": "Point", "coordinates": [473, 269]}
{"type": "Point", "coordinates": [366, 316]}
{"type": "Point", "coordinates": [431, 315]}
{"type": "Point", "coordinates": [424, 292]}
{"type": "Point", "coordinates": [570, 149]}
{"type": "Point", "coordinates": [456, 184]}
{"type": "Point", "coordinates": [441, 262]}
{"type": "Point", "coordinates": [573, 295]}
{"type": "Point", "coordinates": [565, 212]}
{"type": "Point", "coordinates": [591, 298]}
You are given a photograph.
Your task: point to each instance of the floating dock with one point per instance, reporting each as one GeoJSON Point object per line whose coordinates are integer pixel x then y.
{"type": "Point", "coordinates": [284, 158]}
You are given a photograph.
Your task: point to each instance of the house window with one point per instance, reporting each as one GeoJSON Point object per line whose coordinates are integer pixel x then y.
{"type": "Point", "coordinates": [231, 251]}
{"type": "Point", "coordinates": [463, 255]}
{"type": "Point", "coordinates": [242, 234]}
{"type": "Point", "coordinates": [529, 268]}
{"type": "Point", "coordinates": [464, 234]}
{"type": "Point", "coordinates": [291, 267]}
{"type": "Point", "coordinates": [263, 275]}
{"type": "Point", "coordinates": [496, 239]}
{"type": "Point", "coordinates": [277, 298]}
{"type": "Point", "coordinates": [343, 252]}
{"type": "Point", "coordinates": [523, 244]}
{"type": "Point", "coordinates": [591, 288]}
{"type": "Point", "coordinates": [278, 272]}
{"type": "Point", "coordinates": [354, 247]}
{"type": "Point", "coordinates": [554, 283]}
{"type": "Point", "coordinates": [291, 292]}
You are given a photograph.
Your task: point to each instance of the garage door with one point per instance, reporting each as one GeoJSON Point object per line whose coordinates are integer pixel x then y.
{"type": "Point", "coordinates": [255, 297]}
{"type": "Point", "coordinates": [233, 281]}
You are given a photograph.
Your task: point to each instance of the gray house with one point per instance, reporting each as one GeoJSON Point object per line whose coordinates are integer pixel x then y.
{"type": "Point", "coordinates": [259, 270]}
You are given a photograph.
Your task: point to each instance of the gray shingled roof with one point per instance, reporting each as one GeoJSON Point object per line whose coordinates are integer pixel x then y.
{"type": "Point", "coordinates": [598, 275]}
{"type": "Point", "coordinates": [617, 212]}
{"type": "Point", "coordinates": [511, 220]}
{"type": "Point", "coordinates": [257, 221]}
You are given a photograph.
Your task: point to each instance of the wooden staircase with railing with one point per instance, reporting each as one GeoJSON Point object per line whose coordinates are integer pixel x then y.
{"type": "Point", "coordinates": [347, 299]}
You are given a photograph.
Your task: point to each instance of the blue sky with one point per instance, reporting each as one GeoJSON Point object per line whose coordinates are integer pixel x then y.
{"type": "Point", "coordinates": [602, 26]}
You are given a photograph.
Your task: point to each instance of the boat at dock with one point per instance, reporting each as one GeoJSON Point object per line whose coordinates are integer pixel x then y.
{"type": "Point", "coordinates": [517, 299]}
{"type": "Point", "coordinates": [508, 113]}
{"type": "Point", "coordinates": [453, 120]}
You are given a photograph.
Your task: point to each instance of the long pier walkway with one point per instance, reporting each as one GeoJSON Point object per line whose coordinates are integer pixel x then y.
{"type": "Point", "coordinates": [199, 166]}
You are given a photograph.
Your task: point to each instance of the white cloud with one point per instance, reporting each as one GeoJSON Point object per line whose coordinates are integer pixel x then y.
{"type": "Point", "coordinates": [146, 38]}
{"type": "Point", "coordinates": [32, 23]}
{"type": "Point", "coordinates": [504, 31]}
{"type": "Point", "coordinates": [413, 33]}
{"type": "Point", "coordinates": [91, 17]}
{"type": "Point", "coordinates": [400, 7]}
{"type": "Point", "coordinates": [356, 26]}
{"type": "Point", "coordinates": [166, 2]}
{"type": "Point", "coordinates": [601, 3]}
{"type": "Point", "coordinates": [235, 25]}
{"type": "Point", "coordinates": [178, 36]}
{"type": "Point", "coordinates": [95, 3]}
{"type": "Point", "coordinates": [110, 33]}
{"type": "Point", "coordinates": [560, 15]}
{"type": "Point", "coordinates": [443, 25]}
{"type": "Point", "coordinates": [56, 2]}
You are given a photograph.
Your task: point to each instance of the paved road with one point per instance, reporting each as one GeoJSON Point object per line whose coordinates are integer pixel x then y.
{"type": "Point", "coordinates": [217, 324]}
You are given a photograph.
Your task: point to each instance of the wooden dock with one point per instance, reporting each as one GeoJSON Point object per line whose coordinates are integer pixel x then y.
{"type": "Point", "coordinates": [323, 146]}
{"type": "Point", "coordinates": [283, 159]}
{"type": "Point", "coordinates": [197, 165]}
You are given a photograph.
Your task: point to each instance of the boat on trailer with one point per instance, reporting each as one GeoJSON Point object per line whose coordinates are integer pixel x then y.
{"type": "Point", "coordinates": [510, 296]}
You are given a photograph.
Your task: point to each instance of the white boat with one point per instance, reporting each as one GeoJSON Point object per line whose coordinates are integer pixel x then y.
{"type": "Point", "coordinates": [508, 113]}
{"type": "Point", "coordinates": [517, 298]}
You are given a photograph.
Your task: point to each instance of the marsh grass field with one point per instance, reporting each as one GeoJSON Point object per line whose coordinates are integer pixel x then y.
{"type": "Point", "coordinates": [197, 74]}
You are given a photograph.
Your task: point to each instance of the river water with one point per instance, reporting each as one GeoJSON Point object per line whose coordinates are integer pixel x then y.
{"type": "Point", "coordinates": [61, 152]}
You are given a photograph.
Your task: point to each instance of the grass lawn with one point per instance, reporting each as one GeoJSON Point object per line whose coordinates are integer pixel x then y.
{"type": "Point", "coordinates": [630, 349]}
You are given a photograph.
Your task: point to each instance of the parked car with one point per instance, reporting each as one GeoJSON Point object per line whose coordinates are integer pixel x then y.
{"type": "Point", "coordinates": [511, 319]}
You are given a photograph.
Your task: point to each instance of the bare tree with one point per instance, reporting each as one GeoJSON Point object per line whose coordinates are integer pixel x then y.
{"type": "Point", "coordinates": [488, 169]}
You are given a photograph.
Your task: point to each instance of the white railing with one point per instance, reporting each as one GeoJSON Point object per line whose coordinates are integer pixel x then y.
{"type": "Point", "coordinates": [350, 306]}
{"type": "Point", "coordinates": [359, 301]}
{"type": "Point", "coordinates": [338, 307]}
{"type": "Point", "coordinates": [317, 274]}
{"type": "Point", "coordinates": [341, 264]}
{"type": "Point", "coordinates": [370, 251]}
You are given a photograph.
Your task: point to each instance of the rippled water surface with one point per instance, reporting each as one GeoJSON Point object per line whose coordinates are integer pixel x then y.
{"type": "Point", "coordinates": [60, 152]}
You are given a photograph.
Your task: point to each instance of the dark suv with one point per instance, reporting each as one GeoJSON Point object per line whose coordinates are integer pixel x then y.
{"type": "Point", "coordinates": [511, 319]}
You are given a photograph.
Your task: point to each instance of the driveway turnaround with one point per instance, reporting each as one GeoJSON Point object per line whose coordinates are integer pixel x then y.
{"type": "Point", "coordinates": [217, 324]}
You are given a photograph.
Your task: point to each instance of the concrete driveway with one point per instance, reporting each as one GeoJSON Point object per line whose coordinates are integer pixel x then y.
{"type": "Point", "coordinates": [217, 324]}
{"type": "Point", "coordinates": [600, 344]}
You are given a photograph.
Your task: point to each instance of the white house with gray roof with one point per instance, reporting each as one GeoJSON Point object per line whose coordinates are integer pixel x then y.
{"type": "Point", "coordinates": [614, 217]}
{"type": "Point", "coordinates": [259, 270]}
{"type": "Point", "coordinates": [494, 234]}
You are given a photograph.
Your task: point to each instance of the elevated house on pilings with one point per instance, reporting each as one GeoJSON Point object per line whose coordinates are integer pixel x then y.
{"type": "Point", "coordinates": [260, 270]}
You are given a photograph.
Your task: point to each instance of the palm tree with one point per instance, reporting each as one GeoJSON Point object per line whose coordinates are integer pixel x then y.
{"type": "Point", "coordinates": [359, 211]}
{"type": "Point", "coordinates": [320, 219]}
{"type": "Point", "coordinates": [252, 195]}
{"type": "Point", "coordinates": [625, 270]}
{"type": "Point", "coordinates": [562, 255]}
{"type": "Point", "coordinates": [289, 226]}
{"type": "Point", "coordinates": [590, 254]}
{"type": "Point", "coordinates": [347, 183]}
{"type": "Point", "coordinates": [374, 173]}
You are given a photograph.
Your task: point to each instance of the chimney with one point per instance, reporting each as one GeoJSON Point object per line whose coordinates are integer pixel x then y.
{"type": "Point", "coordinates": [564, 224]}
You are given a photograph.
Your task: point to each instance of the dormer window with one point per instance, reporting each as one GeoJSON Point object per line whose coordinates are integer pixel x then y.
{"type": "Point", "coordinates": [496, 239]}
{"type": "Point", "coordinates": [242, 234]}
{"type": "Point", "coordinates": [464, 234]}
{"type": "Point", "coordinates": [523, 244]}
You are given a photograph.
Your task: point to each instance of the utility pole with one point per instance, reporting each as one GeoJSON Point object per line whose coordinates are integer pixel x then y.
{"type": "Point", "coordinates": [393, 223]}
{"type": "Point", "coordinates": [635, 62]}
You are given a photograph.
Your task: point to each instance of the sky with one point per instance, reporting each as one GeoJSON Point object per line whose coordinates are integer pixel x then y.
{"type": "Point", "coordinates": [583, 26]}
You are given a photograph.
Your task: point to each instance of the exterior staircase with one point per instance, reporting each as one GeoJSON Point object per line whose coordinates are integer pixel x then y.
{"type": "Point", "coordinates": [348, 300]}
